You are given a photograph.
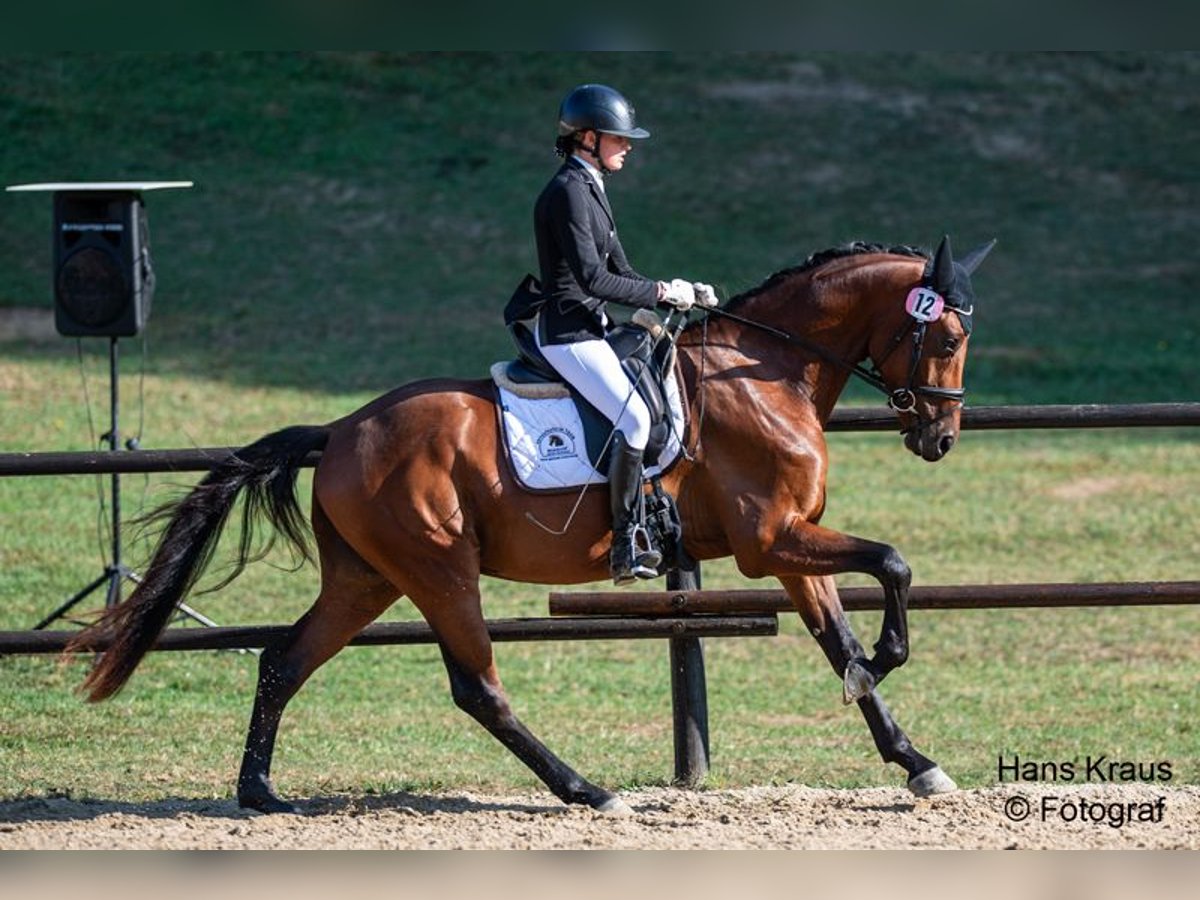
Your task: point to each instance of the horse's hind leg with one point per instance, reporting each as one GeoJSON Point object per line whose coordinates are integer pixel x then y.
{"type": "Point", "coordinates": [480, 695]}
{"type": "Point", "coordinates": [282, 670]}
{"type": "Point", "coordinates": [817, 601]}
{"type": "Point", "coordinates": [352, 596]}
{"type": "Point", "coordinates": [476, 689]}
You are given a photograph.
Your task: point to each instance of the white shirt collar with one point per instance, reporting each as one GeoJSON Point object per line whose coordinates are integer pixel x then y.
{"type": "Point", "coordinates": [597, 176]}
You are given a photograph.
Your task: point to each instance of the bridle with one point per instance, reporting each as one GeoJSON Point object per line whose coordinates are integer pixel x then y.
{"type": "Point", "coordinates": [904, 399]}
{"type": "Point", "coordinates": [901, 399]}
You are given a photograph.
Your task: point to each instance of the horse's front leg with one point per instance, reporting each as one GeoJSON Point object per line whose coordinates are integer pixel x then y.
{"type": "Point", "coordinates": [796, 547]}
{"type": "Point", "coordinates": [891, 650]}
{"type": "Point", "coordinates": [817, 601]}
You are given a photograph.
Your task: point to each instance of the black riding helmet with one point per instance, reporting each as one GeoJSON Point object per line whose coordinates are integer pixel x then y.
{"type": "Point", "coordinates": [595, 107]}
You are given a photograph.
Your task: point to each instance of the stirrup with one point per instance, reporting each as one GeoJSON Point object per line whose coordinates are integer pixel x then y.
{"type": "Point", "coordinates": [629, 563]}
{"type": "Point", "coordinates": [633, 574]}
{"type": "Point", "coordinates": [644, 554]}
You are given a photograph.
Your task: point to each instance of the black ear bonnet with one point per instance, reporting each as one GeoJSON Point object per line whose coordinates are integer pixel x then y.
{"type": "Point", "coordinates": [952, 278]}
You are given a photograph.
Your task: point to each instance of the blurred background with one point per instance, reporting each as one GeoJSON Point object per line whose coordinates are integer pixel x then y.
{"type": "Point", "coordinates": [359, 219]}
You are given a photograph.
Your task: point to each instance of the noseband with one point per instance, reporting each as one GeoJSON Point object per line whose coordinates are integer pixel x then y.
{"type": "Point", "coordinates": [904, 399]}
{"type": "Point", "coordinates": [901, 399]}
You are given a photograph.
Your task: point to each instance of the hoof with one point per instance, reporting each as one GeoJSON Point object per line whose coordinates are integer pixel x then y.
{"type": "Point", "coordinates": [265, 800]}
{"type": "Point", "coordinates": [269, 805]}
{"type": "Point", "coordinates": [616, 807]}
{"type": "Point", "coordinates": [856, 683]}
{"type": "Point", "coordinates": [931, 782]}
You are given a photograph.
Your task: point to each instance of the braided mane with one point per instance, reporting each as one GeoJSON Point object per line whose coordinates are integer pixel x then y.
{"type": "Point", "coordinates": [820, 258]}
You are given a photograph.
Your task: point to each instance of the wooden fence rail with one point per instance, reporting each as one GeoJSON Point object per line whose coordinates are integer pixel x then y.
{"type": "Point", "coordinates": [979, 418]}
{"type": "Point", "coordinates": [946, 596]}
{"type": "Point", "coordinates": [242, 637]}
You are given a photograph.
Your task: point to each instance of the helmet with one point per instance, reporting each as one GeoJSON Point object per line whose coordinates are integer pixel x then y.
{"type": "Point", "coordinates": [597, 107]}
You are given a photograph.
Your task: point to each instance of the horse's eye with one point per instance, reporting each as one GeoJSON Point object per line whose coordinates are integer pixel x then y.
{"type": "Point", "coordinates": [950, 345]}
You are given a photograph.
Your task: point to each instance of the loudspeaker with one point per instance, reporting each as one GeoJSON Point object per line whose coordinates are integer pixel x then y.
{"type": "Point", "coordinates": [103, 278]}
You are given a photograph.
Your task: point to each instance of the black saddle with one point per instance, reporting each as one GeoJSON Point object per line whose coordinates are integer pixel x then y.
{"type": "Point", "coordinates": [646, 359]}
{"type": "Point", "coordinates": [643, 357]}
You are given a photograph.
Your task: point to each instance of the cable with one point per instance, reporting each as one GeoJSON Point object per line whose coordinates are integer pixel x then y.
{"type": "Point", "coordinates": [135, 442]}
{"type": "Point", "coordinates": [103, 533]}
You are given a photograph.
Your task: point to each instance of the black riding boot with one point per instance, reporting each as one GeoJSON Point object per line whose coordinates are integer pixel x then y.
{"type": "Point", "coordinates": [632, 556]}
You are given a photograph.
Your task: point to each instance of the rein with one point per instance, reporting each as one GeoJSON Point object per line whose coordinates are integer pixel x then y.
{"type": "Point", "coordinates": [903, 399]}
{"type": "Point", "coordinates": [870, 377]}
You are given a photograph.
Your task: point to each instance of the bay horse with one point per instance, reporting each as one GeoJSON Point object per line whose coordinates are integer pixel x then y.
{"type": "Point", "coordinates": [413, 497]}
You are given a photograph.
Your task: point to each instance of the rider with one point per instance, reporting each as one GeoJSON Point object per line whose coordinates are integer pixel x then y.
{"type": "Point", "coordinates": [583, 266]}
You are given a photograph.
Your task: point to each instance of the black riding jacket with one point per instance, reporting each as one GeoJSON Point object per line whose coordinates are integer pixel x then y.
{"type": "Point", "coordinates": [583, 265]}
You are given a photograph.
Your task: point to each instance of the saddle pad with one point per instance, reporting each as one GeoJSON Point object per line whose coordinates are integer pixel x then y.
{"type": "Point", "coordinates": [545, 443]}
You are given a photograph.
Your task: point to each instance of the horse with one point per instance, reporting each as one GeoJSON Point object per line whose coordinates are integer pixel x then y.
{"type": "Point", "coordinates": [413, 497]}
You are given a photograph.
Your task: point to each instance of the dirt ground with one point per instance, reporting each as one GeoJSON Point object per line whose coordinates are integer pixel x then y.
{"type": "Point", "coordinates": [788, 817]}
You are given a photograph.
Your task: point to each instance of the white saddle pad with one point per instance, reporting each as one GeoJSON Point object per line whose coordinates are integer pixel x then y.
{"type": "Point", "coordinates": [545, 443]}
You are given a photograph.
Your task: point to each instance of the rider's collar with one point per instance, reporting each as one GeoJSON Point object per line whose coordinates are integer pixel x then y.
{"type": "Point", "coordinates": [596, 174]}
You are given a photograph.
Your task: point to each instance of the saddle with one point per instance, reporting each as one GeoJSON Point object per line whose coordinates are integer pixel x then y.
{"type": "Point", "coordinates": [640, 346]}
{"type": "Point", "coordinates": [648, 358]}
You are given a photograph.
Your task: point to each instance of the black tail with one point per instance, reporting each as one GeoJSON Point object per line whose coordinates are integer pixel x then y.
{"type": "Point", "coordinates": [266, 470]}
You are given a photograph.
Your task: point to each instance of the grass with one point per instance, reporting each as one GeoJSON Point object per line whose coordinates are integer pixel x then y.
{"type": "Point", "coordinates": [358, 221]}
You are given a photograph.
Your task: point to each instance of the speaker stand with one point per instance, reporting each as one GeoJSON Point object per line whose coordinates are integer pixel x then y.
{"type": "Point", "coordinates": [115, 572]}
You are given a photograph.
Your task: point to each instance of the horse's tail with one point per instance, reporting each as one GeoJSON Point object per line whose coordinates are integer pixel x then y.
{"type": "Point", "coordinates": [266, 470]}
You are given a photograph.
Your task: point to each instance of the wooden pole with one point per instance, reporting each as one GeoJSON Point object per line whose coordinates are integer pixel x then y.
{"type": "Point", "coordinates": [234, 637]}
{"type": "Point", "coordinates": [965, 596]}
{"type": "Point", "coordinates": [689, 693]}
{"type": "Point", "coordinates": [981, 418]}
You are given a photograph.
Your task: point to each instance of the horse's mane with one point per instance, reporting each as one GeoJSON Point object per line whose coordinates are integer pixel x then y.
{"type": "Point", "coordinates": [820, 258]}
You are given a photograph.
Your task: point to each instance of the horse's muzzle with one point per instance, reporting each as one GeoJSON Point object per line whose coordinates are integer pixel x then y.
{"type": "Point", "coordinates": [930, 443]}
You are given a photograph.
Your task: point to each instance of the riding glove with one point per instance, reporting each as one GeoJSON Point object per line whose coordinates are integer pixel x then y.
{"type": "Point", "coordinates": [679, 293]}
{"type": "Point", "coordinates": [705, 295]}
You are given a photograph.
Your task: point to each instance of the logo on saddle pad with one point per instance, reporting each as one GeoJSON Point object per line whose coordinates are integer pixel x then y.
{"type": "Point", "coordinates": [556, 443]}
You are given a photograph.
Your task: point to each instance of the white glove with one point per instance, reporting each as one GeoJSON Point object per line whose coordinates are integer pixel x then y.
{"type": "Point", "coordinates": [680, 294]}
{"type": "Point", "coordinates": [705, 295]}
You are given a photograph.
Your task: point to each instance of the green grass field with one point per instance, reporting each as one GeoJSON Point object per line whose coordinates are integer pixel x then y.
{"type": "Point", "coordinates": [359, 220]}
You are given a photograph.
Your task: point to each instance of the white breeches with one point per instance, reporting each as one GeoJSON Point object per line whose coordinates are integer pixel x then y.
{"type": "Point", "coordinates": [592, 368]}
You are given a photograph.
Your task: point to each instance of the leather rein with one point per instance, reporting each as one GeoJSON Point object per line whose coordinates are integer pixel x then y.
{"type": "Point", "coordinates": [902, 399]}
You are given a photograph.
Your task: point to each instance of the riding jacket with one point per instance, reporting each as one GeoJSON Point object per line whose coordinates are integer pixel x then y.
{"type": "Point", "coordinates": [583, 265]}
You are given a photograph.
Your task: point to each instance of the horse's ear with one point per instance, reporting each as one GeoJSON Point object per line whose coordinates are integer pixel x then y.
{"type": "Point", "coordinates": [971, 261]}
{"type": "Point", "coordinates": [941, 276]}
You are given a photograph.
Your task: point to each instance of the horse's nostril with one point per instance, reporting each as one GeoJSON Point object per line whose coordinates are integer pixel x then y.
{"type": "Point", "coordinates": [946, 443]}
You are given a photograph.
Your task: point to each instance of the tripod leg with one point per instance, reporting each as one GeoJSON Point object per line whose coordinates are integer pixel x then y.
{"type": "Point", "coordinates": [185, 611]}
{"type": "Point", "coordinates": [113, 596]}
{"type": "Point", "coordinates": [94, 586]}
